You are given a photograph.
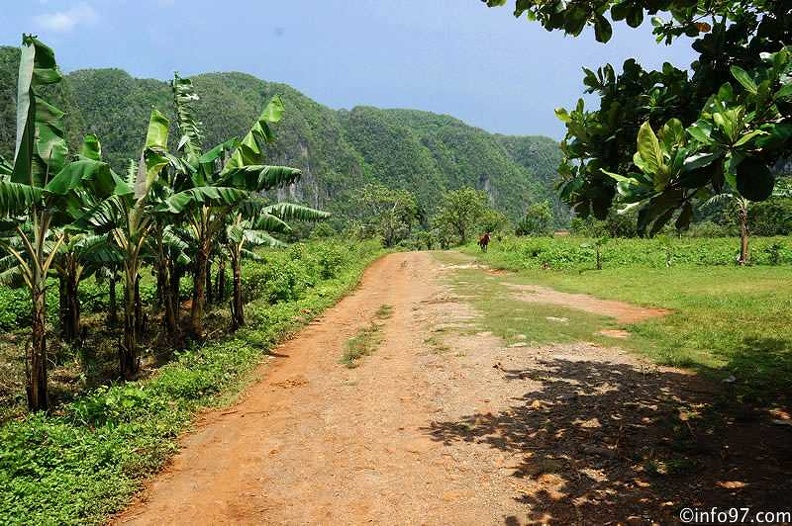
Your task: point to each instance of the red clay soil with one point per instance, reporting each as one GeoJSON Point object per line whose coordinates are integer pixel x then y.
{"type": "Point", "coordinates": [446, 425]}
{"type": "Point", "coordinates": [624, 313]}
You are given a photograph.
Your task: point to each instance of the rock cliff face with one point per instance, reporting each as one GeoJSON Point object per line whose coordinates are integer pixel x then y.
{"type": "Point", "coordinates": [338, 150]}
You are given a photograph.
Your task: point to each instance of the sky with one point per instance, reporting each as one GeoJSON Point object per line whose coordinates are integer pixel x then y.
{"type": "Point", "coordinates": [456, 57]}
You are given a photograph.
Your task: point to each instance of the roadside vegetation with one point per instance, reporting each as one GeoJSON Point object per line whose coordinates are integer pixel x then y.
{"type": "Point", "coordinates": [81, 463]}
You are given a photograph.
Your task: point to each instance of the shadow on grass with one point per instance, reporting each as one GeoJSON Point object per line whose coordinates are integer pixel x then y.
{"type": "Point", "coordinates": [762, 368]}
{"type": "Point", "coordinates": [597, 442]}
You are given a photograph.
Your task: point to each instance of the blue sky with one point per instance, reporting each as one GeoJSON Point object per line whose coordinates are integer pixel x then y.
{"type": "Point", "coordinates": [446, 56]}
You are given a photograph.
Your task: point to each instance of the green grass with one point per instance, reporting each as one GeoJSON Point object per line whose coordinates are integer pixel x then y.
{"type": "Point", "coordinates": [514, 320]}
{"type": "Point", "coordinates": [83, 463]}
{"type": "Point", "coordinates": [367, 339]}
{"type": "Point", "coordinates": [725, 320]}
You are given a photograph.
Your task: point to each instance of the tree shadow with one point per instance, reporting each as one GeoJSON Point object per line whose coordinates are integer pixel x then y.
{"type": "Point", "coordinates": [762, 368]}
{"type": "Point", "coordinates": [598, 442]}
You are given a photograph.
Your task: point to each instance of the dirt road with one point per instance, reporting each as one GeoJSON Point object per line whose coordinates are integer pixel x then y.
{"type": "Point", "coordinates": [445, 425]}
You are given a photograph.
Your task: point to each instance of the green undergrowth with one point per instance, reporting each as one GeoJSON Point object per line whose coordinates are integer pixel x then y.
{"type": "Point", "coordinates": [83, 463]}
{"type": "Point", "coordinates": [725, 320]}
{"type": "Point", "coordinates": [576, 253]}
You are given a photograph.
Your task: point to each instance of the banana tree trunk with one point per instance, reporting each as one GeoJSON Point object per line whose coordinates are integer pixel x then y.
{"type": "Point", "coordinates": [72, 319]}
{"type": "Point", "coordinates": [174, 295]}
{"type": "Point", "coordinates": [127, 353]}
{"type": "Point", "coordinates": [209, 295]}
{"type": "Point", "coordinates": [37, 396]}
{"type": "Point", "coordinates": [237, 313]}
{"type": "Point", "coordinates": [112, 314]}
{"type": "Point", "coordinates": [199, 293]}
{"type": "Point", "coordinates": [220, 281]}
{"type": "Point", "coordinates": [171, 320]}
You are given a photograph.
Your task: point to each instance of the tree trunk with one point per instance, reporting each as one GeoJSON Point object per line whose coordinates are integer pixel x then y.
{"type": "Point", "coordinates": [220, 281]}
{"type": "Point", "coordinates": [743, 236]}
{"type": "Point", "coordinates": [199, 294]}
{"type": "Point", "coordinates": [209, 295]}
{"type": "Point", "coordinates": [175, 293]}
{"type": "Point", "coordinates": [37, 396]}
{"type": "Point", "coordinates": [171, 318]}
{"type": "Point", "coordinates": [62, 308]}
{"type": "Point", "coordinates": [162, 282]}
{"type": "Point", "coordinates": [139, 321]}
{"type": "Point", "coordinates": [127, 353]}
{"type": "Point", "coordinates": [112, 314]}
{"type": "Point", "coordinates": [72, 303]}
{"type": "Point", "coordinates": [237, 314]}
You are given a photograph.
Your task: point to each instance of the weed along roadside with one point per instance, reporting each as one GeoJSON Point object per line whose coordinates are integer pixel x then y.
{"type": "Point", "coordinates": [83, 462]}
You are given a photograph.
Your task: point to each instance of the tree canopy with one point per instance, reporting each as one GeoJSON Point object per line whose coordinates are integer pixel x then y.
{"type": "Point", "coordinates": [729, 123]}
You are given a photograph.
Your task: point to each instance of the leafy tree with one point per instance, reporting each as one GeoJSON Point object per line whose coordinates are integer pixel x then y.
{"type": "Point", "coordinates": [735, 108]}
{"type": "Point", "coordinates": [492, 220]}
{"type": "Point", "coordinates": [460, 210]}
{"type": "Point", "coordinates": [538, 220]}
{"type": "Point", "coordinates": [388, 214]}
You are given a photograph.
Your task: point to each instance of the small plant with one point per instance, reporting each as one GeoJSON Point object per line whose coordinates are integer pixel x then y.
{"type": "Point", "coordinates": [774, 253]}
{"type": "Point", "coordinates": [362, 344]}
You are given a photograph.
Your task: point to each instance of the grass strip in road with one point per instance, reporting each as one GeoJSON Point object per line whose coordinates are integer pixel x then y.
{"type": "Point", "coordinates": [367, 339]}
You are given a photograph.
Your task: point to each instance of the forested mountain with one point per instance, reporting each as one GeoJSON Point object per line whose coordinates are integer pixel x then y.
{"type": "Point", "coordinates": [338, 151]}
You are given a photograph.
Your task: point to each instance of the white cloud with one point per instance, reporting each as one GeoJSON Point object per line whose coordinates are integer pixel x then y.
{"type": "Point", "coordinates": [65, 21]}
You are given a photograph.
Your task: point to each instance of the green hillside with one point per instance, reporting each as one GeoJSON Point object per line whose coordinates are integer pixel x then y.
{"type": "Point", "coordinates": [338, 150]}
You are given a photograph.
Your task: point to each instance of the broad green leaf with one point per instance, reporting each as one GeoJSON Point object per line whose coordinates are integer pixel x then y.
{"type": "Point", "coordinates": [17, 199]}
{"type": "Point", "coordinates": [273, 111]}
{"type": "Point", "coordinates": [744, 79]}
{"type": "Point", "coordinates": [649, 149]}
{"type": "Point", "coordinates": [209, 195]}
{"type": "Point", "coordinates": [700, 131]}
{"type": "Point", "coordinates": [250, 151]}
{"type": "Point", "coordinates": [289, 211]}
{"type": "Point", "coordinates": [51, 144]}
{"type": "Point", "coordinates": [154, 157]}
{"type": "Point", "coordinates": [91, 148]}
{"type": "Point", "coordinates": [562, 114]}
{"type": "Point", "coordinates": [94, 176]}
{"type": "Point", "coordinates": [699, 160]}
{"type": "Point", "coordinates": [157, 133]}
{"type": "Point", "coordinates": [603, 31]}
{"type": "Point", "coordinates": [673, 134]}
{"type": "Point", "coordinates": [39, 138]}
{"type": "Point", "coordinates": [785, 92]}
{"type": "Point", "coordinates": [748, 136]}
{"type": "Point", "coordinates": [260, 178]}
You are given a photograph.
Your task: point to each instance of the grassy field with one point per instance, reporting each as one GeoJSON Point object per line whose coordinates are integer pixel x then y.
{"type": "Point", "coordinates": [82, 463]}
{"type": "Point", "coordinates": [726, 320]}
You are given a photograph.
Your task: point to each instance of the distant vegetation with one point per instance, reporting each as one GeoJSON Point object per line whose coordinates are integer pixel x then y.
{"type": "Point", "coordinates": [337, 151]}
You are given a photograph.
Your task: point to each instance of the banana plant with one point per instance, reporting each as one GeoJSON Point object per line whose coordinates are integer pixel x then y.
{"type": "Point", "coordinates": [253, 225]}
{"type": "Point", "coordinates": [217, 182]}
{"type": "Point", "coordinates": [128, 217]}
{"type": "Point", "coordinates": [40, 191]}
